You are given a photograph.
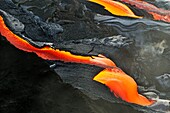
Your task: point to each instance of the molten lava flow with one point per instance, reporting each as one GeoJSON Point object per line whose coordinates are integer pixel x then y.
{"type": "Point", "coordinates": [120, 83]}
{"type": "Point", "coordinates": [116, 8]}
{"type": "Point", "coordinates": [50, 53]}
{"type": "Point", "coordinates": [157, 13]}
{"type": "Point", "coordinates": [122, 86]}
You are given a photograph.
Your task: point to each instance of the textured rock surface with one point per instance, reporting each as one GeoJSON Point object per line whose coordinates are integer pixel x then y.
{"type": "Point", "coordinates": [28, 85]}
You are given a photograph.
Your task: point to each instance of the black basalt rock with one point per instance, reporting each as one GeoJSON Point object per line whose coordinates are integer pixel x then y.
{"type": "Point", "coordinates": [24, 22]}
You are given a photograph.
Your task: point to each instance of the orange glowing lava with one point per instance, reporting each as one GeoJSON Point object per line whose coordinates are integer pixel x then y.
{"type": "Point", "coordinates": [116, 8]}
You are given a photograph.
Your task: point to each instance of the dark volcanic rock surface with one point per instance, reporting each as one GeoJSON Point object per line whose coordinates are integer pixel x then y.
{"type": "Point", "coordinates": [75, 18]}
{"type": "Point", "coordinates": [32, 25]}
{"type": "Point", "coordinates": [28, 85]}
